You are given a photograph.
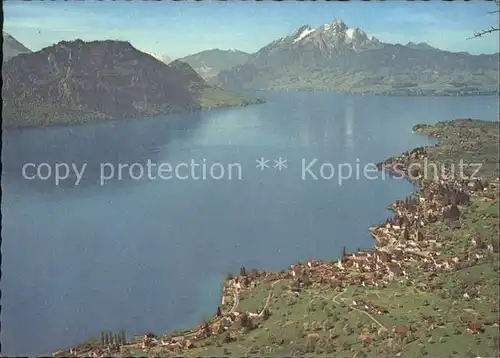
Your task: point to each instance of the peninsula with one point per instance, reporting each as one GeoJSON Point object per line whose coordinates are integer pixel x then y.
{"type": "Point", "coordinates": [429, 287]}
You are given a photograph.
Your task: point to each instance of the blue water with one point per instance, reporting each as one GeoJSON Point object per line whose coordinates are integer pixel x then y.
{"type": "Point", "coordinates": [150, 255]}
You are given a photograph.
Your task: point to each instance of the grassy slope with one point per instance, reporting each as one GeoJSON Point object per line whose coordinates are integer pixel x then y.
{"type": "Point", "coordinates": [321, 320]}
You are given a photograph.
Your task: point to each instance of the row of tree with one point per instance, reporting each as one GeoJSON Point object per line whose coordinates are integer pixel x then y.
{"type": "Point", "coordinates": [110, 338]}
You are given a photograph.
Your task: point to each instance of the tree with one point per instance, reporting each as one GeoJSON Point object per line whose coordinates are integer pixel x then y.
{"type": "Point", "coordinates": [418, 234]}
{"type": "Point", "coordinates": [246, 321]}
{"type": "Point", "coordinates": [399, 220]}
{"type": "Point", "coordinates": [306, 281]}
{"type": "Point", "coordinates": [205, 327]}
{"type": "Point", "coordinates": [123, 337]}
{"type": "Point", "coordinates": [454, 213]}
{"type": "Point", "coordinates": [492, 29]}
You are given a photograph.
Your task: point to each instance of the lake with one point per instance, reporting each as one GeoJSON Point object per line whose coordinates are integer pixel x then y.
{"type": "Point", "coordinates": [149, 253]}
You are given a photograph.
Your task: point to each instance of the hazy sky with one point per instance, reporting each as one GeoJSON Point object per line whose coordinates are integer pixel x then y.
{"type": "Point", "coordinates": [181, 28]}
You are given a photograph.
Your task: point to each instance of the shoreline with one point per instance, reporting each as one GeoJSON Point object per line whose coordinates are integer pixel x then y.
{"type": "Point", "coordinates": [401, 253]}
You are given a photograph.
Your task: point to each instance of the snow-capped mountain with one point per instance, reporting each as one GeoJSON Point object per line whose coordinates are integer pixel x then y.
{"type": "Point", "coordinates": [336, 57]}
{"type": "Point", "coordinates": [161, 57]}
{"type": "Point", "coordinates": [326, 39]}
{"type": "Point", "coordinates": [334, 35]}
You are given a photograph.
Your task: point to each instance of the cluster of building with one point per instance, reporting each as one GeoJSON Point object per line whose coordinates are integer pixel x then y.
{"type": "Point", "coordinates": [400, 242]}
{"type": "Point", "coordinates": [173, 343]}
{"type": "Point", "coordinates": [225, 317]}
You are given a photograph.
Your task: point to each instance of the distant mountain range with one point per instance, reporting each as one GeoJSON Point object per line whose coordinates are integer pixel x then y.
{"type": "Point", "coordinates": [210, 62]}
{"type": "Point", "coordinates": [76, 81]}
{"type": "Point", "coordinates": [334, 57]}
{"type": "Point", "coordinates": [11, 47]}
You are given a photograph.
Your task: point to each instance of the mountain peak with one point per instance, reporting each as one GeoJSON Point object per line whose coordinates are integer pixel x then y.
{"type": "Point", "coordinates": [337, 26]}
{"type": "Point", "coordinates": [336, 21]}
{"type": "Point", "coordinates": [302, 32]}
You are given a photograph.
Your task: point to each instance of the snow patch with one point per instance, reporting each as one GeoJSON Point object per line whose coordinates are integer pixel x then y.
{"type": "Point", "coordinates": [350, 33]}
{"type": "Point", "coordinates": [304, 34]}
{"type": "Point", "coordinates": [204, 69]}
{"type": "Point", "coordinates": [160, 57]}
